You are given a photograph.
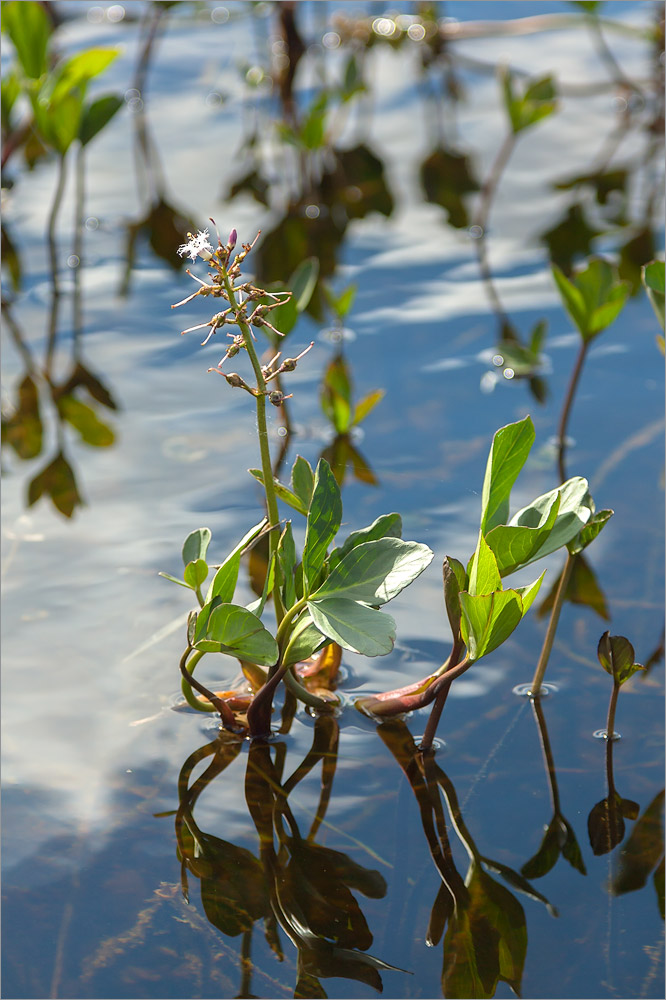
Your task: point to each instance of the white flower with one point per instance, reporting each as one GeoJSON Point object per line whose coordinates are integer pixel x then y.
{"type": "Point", "coordinates": [198, 246]}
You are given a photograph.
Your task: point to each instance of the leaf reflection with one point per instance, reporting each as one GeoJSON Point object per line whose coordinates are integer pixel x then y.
{"type": "Point", "coordinates": [482, 922]}
{"type": "Point", "coordinates": [293, 884]}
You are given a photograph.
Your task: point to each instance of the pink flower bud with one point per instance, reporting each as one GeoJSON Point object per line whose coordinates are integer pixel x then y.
{"type": "Point", "coordinates": [233, 236]}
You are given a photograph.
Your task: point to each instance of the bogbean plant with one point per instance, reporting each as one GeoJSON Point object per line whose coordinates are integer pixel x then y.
{"type": "Point", "coordinates": [329, 596]}
{"type": "Point", "coordinates": [333, 595]}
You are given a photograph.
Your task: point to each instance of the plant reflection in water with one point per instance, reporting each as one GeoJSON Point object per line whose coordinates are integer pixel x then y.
{"type": "Point", "coordinates": [293, 884]}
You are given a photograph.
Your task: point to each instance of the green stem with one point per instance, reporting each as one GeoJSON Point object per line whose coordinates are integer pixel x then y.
{"type": "Point", "coordinates": [552, 626]}
{"type": "Point", "coordinates": [302, 693]}
{"type": "Point", "coordinates": [610, 725]}
{"type": "Point", "coordinates": [566, 408]}
{"type": "Point", "coordinates": [188, 693]}
{"type": "Point", "coordinates": [262, 430]}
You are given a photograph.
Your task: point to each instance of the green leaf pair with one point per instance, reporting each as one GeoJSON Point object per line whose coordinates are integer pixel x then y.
{"type": "Point", "coordinates": [368, 570]}
{"type": "Point", "coordinates": [537, 101]}
{"type": "Point", "coordinates": [476, 603]}
{"type": "Point", "coordinates": [229, 628]}
{"type": "Point", "coordinates": [616, 656]}
{"type": "Point", "coordinates": [593, 297]}
{"type": "Point", "coordinates": [336, 397]}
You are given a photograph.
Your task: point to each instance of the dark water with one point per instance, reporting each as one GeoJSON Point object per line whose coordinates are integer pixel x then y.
{"type": "Point", "coordinates": [92, 749]}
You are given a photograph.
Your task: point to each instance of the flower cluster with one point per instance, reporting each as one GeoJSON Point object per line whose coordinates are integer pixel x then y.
{"type": "Point", "coordinates": [248, 306]}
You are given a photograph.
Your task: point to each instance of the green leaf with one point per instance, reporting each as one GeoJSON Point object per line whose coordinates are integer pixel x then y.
{"type": "Point", "coordinates": [257, 607]}
{"type": "Point", "coordinates": [488, 619]}
{"type": "Point", "coordinates": [354, 626]}
{"type": "Point", "coordinates": [174, 579]}
{"type": "Point", "coordinates": [484, 577]}
{"type": "Point", "coordinates": [286, 554]}
{"type": "Point", "coordinates": [283, 492]}
{"type": "Point", "coordinates": [75, 73]}
{"type": "Point", "coordinates": [616, 656]}
{"type": "Point", "coordinates": [528, 594]}
{"type": "Point", "coordinates": [97, 115]}
{"type": "Point", "coordinates": [594, 297]}
{"type": "Point", "coordinates": [203, 617]}
{"type": "Point", "coordinates": [224, 582]}
{"type": "Point", "coordinates": [596, 523]}
{"type": "Point", "coordinates": [305, 640]}
{"type": "Point", "coordinates": [365, 405]}
{"type": "Point", "coordinates": [538, 100]}
{"type": "Point", "coordinates": [29, 28]}
{"type": "Point", "coordinates": [375, 572]}
{"type": "Point", "coordinates": [235, 630]}
{"type": "Point", "coordinates": [191, 626]}
{"type": "Point", "coordinates": [575, 510]}
{"type": "Point", "coordinates": [572, 300]}
{"type": "Point", "coordinates": [195, 573]}
{"type": "Point", "coordinates": [517, 545]}
{"type": "Point", "coordinates": [508, 453]}
{"type": "Point", "coordinates": [455, 580]}
{"type": "Point", "coordinates": [302, 481]}
{"type": "Point", "coordinates": [323, 521]}
{"type": "Point", "coordinates": [653, 280]}
{"type": "Point", "coordinates": [385, 526]}
{"type": "Point", "coordinates": [196, 544]}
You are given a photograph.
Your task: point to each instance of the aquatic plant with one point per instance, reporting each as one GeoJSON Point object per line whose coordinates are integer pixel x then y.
{"type": "Point", "coordinates": [482, 615]}
{"type": "Point", "coordinates": [326, 597]}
